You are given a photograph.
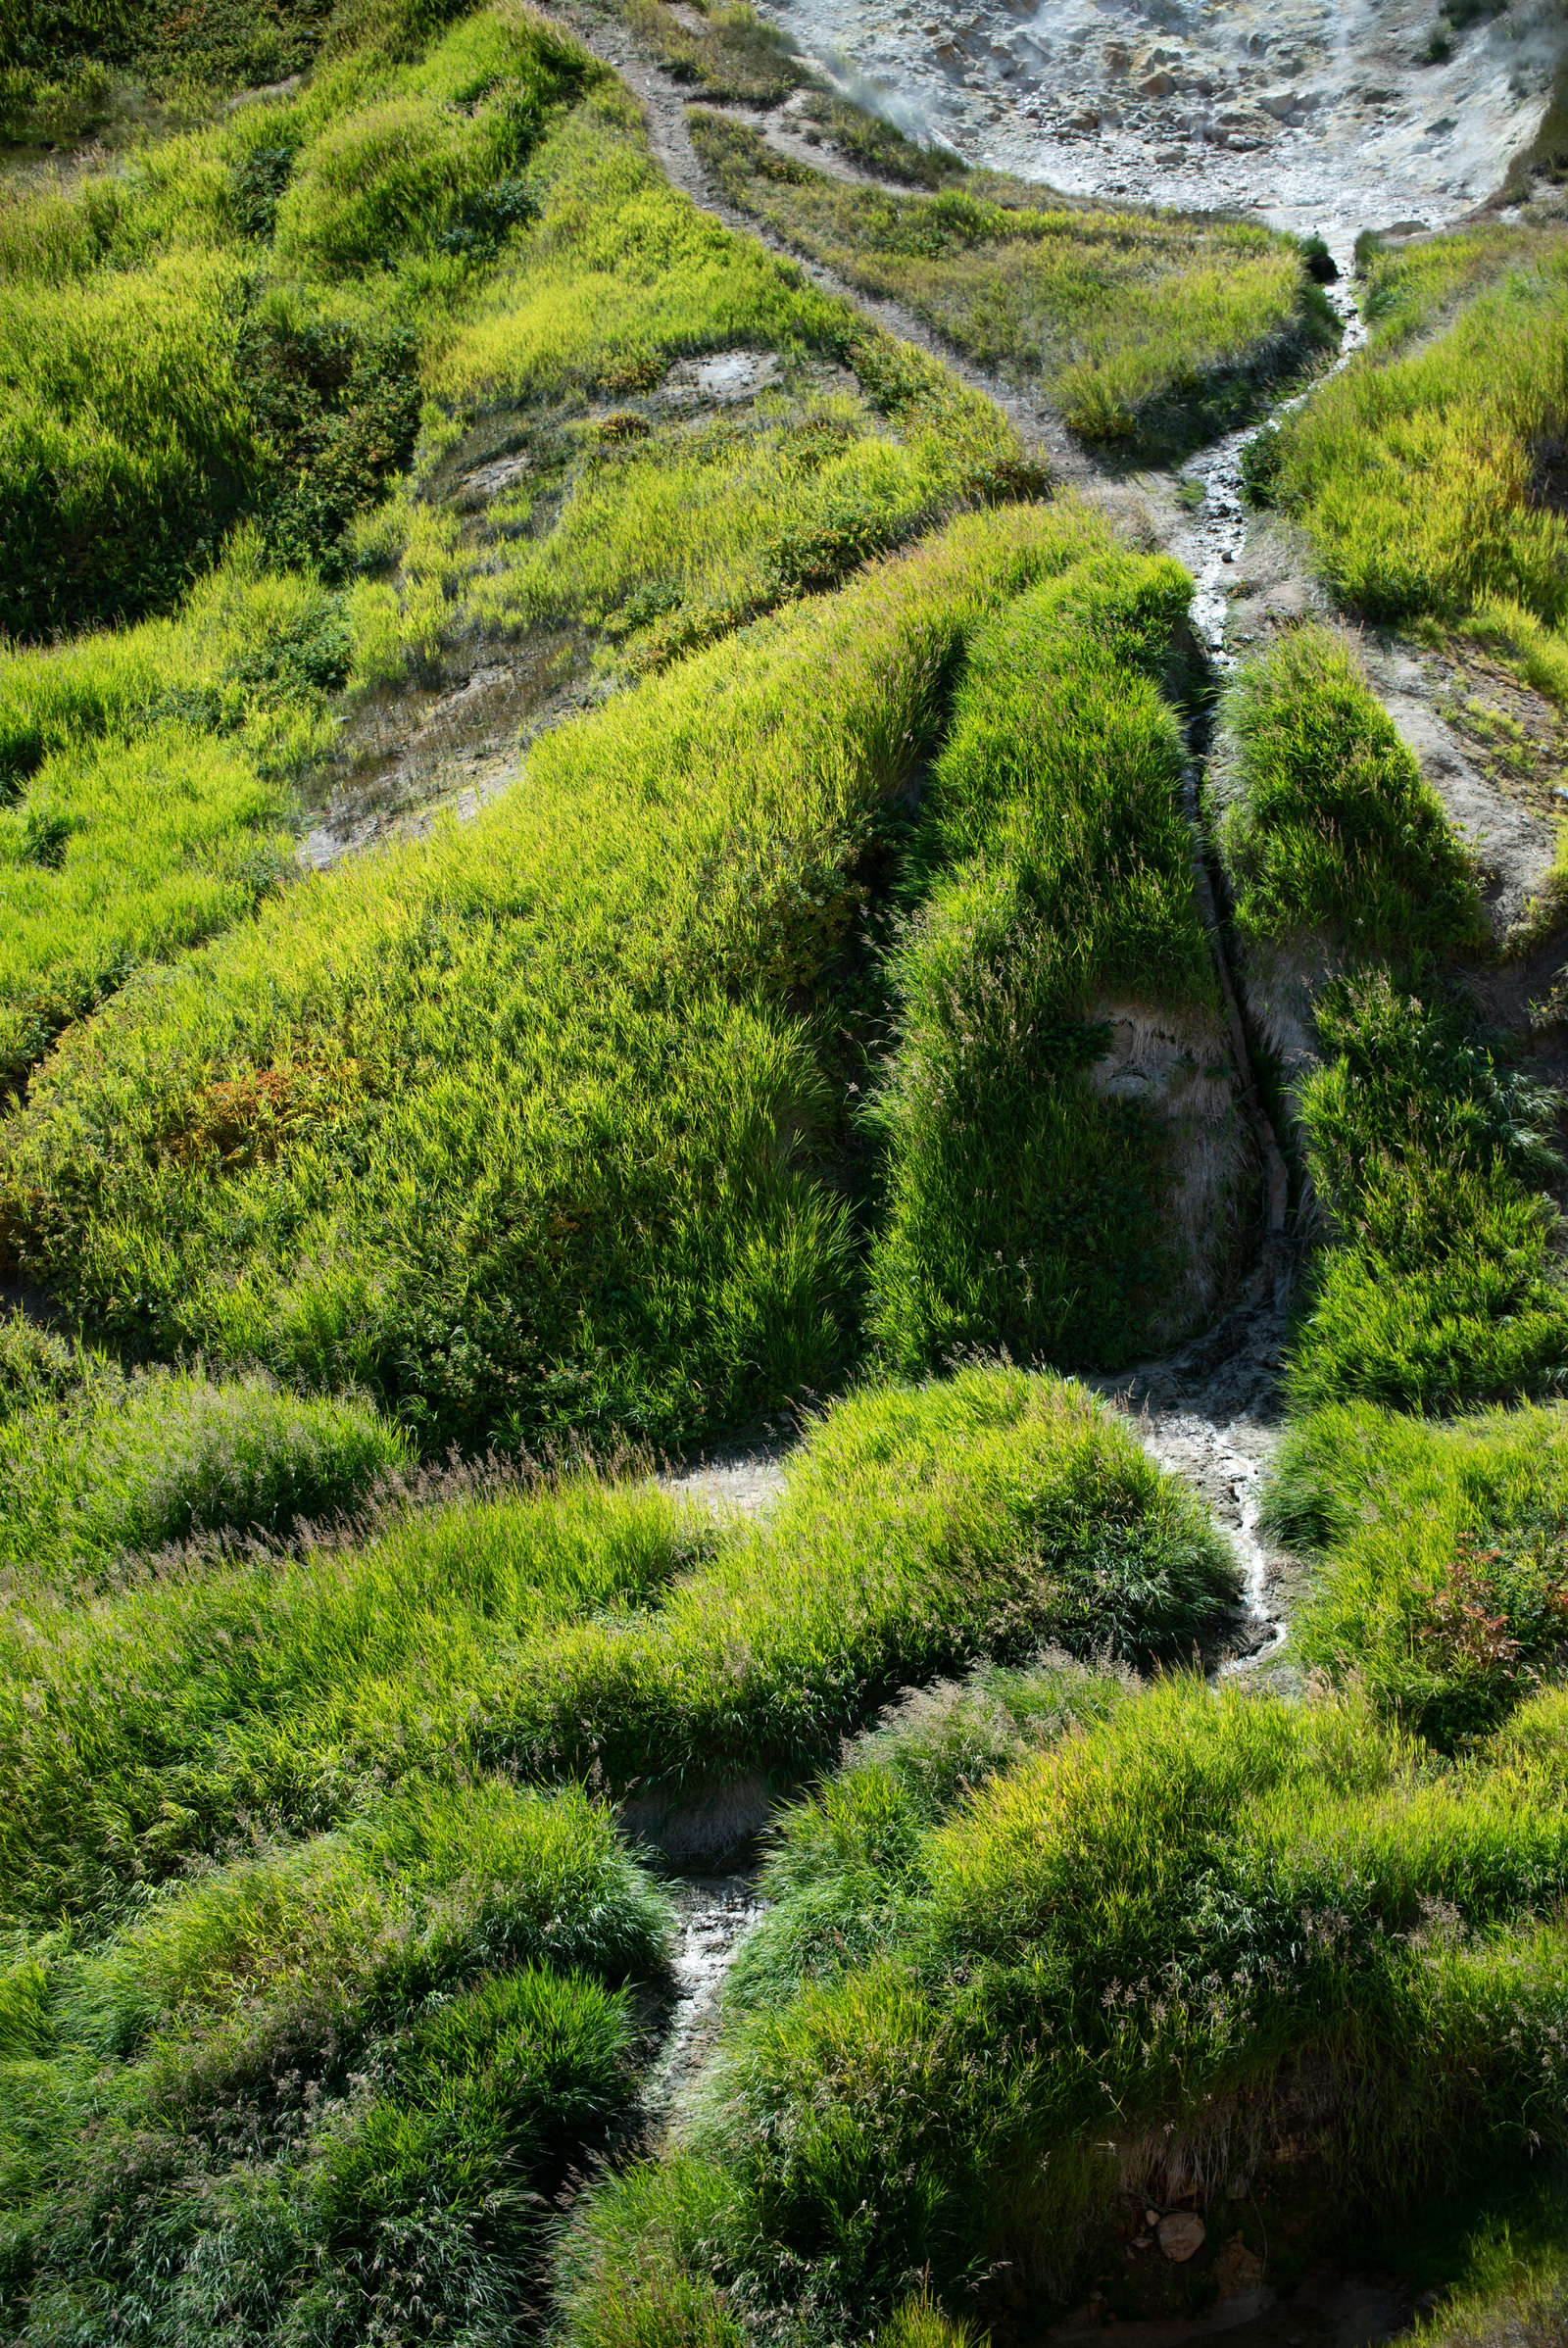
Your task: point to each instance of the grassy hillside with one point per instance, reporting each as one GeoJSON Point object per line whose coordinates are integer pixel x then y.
{"type": "Point", "coordinates": [1195, 1912]}
{"type": "Point", "coordinates": [1146, 329]}
{"type": "Point", "coordinates": [1418, 479]}
{"type": "Point", "coordinates": [762, 977]}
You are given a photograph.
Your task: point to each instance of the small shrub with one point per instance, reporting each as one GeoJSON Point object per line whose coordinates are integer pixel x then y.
{"type": "Point", "coordinates": [1442, 1583]}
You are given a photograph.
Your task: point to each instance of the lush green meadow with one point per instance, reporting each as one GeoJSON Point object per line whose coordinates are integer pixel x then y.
{"type": "Point", "coordinates": [304, 1962]}
{"type": "Point", "coordinates": [417, 1129]}
{"type": "Point", "coordinates": [824, 1018]}
{"type": "Point", "coordinates": [1143, 328]}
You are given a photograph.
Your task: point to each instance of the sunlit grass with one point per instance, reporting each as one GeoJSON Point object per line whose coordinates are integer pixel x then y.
{"type": "Point", "coordinates": [1442, 1550]}
{"type": "Point", "coordinates": [1133, 323]}
{"type": "Point", "coordinates": [1169, 1916]}
{"type": "Point", "coordinates": [1416, 478]}
{"type": "Point", "coordinates": [518, 1138]}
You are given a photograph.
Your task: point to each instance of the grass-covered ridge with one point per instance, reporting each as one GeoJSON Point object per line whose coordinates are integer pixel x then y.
{"type": "Point", "coordinates": [1329, 828]}
{"type": "Point", "coordinates": [593, 1627]}
{"type": "Point", "coordinates": [1200, 1915]}
{"type": "Point", "coordinates": [1425, 1142]}
{"type": "Point", "coordinates": [1424, 482]}
{"type": "Point", "coordinates": [1136, 324]}
{"type": "Point", "coordinates": [98, 1470]}
{"type": "Point", "coordinates": [445, 1024]}
{"type": "Point", "coordinates": [1026, 1204]}
{"type": "Point", "coordinates": [1442, 1581]}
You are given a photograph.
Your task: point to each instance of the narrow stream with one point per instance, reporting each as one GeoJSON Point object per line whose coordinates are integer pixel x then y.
{"type": "Point", "coordinates": [715, 1913]}
{"type": "Point", "coordinates": [1212, 543]}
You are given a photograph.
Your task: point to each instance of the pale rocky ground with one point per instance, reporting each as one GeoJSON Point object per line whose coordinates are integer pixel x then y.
{"type": "Point", "coordinates": [1318, 117]}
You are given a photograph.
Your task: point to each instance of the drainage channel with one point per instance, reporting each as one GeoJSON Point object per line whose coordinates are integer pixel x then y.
{"type": "Point", "coordinates": [1210, 544]}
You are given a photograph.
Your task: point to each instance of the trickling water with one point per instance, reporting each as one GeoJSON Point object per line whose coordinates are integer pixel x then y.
{"type": "Point", "coordinates": [1224, 1465]}
{"type": "Point", "coordinates": [1213, 541]}
{"type": "Point", "coordinates": [715, 1912]}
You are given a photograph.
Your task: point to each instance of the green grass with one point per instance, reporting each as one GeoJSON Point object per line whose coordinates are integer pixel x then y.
{"type": "Point", "coordinates": [660, 535]}
{"type": "Point", "coordinates": [1427, 1150]}
{"type": "Point", "coordinates": [332, 2083]}
{"type": "Point", "coordinates": [1424, 1139]}
{"type": "Point", "coordinates": [1144, 329]}
{"type": "Point", "coordinates": [1417, 479]}
{"type": "Point", "coordinates": [920, 1528]}
{"type": "Point", "coordinates": [142, 1727]}
{"type": "Point", "coordinates": [235, 324]}
{"type": "Point", "coordinates": [1328, 831]}
{"type": "Point", "coordinates": [1023, 1206]}
{"type": "Point", "coordinates": [734, 55]}
{"type": "Point", "coordinates": [1230, 1944]}
{"type": "Point", "coordinates": [1441, 1579]}
{"type": "Point", "coordinates": [120, 1467]}
{"type": "Point", "coordinates": [588, 1185]}
{"type": "Point", "coordinates": [658, 544]}
{"type": "Point", "coordinates": [148, 787]}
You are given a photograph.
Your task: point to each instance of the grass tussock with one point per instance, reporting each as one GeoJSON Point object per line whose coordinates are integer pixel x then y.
{"type": "Point", "coordinates": [1444, 1289]}
{"type": "Point", "coordinates": [1331, 831]}
{"type": "Point", "coordinates": [334, 2082]}
{"type": "Point", "coordinates": [117, 1467]}
{"type": "Point", "coordinates": [1442, 1583]}
{"type": "Point", "coordinates": [1271, 1938]}
{"type": "Point", "coordinates": [1143, 328]}
{"type": "Point", "coordinates": [1427, 483]}
{"type": "Point", "coordinates": [593, 1629]}
{"type": "Point", "coordinates": [144, 1728]}
{"type": "Point", "coordinates": [586, 1187]}
{"type": "Point", "coordinates": [1023, 1204]}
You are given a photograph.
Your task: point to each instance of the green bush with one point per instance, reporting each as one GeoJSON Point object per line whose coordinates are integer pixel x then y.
{"type": "Point", "coordinates": [1331, 830]}
{"type": "Point", "coordinates": [1443, 1575]}
{"type": "Point", "coordinates": [1401, 1075]}
{"type": "Point", "coordinates": [132, 1465]}
{"type": "Point", "coordinates": [920, 1527]}
{"type": "Point", "coordinates": [341, 2078]}
{"type": "Point", "coordinates": [1197, 1946]}
{"type": "Point", "coordinates": [1446, 1289]}
{"type": "Point", "coordinates": [1023, 1208]}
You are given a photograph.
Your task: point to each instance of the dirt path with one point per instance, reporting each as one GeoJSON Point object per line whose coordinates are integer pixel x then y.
{"type": "Point", "coordinates": [665, 102]}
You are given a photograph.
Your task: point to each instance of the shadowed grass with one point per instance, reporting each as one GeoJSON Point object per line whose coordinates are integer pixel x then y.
{"type": "Point", "coordinates": [340, 2075]}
